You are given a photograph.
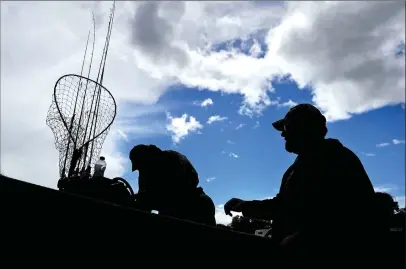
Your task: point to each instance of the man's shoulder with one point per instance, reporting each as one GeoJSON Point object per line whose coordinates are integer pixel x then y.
{"type": "Point", "coordinates": [346, 155]}
{"type": "Point", "coordinates": [340, 153]}
{"type": "Point", "coordinates": [342, 160]}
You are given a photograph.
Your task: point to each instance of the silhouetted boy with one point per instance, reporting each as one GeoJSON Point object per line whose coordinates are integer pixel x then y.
{"type": "Point", "coordinates": [168, 183]}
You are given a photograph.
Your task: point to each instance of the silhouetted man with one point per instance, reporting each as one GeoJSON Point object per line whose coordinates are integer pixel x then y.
{"type": "Point", "coordinates": [168, 183]}
{"type": "Point", "coordinates": [324, 196]}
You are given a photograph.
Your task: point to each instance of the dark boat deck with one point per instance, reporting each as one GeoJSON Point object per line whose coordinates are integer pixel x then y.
{"type": "Point", "coordinates": [49, 220]}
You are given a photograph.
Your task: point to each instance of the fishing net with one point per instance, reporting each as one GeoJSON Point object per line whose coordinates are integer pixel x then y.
{"type": "Point", "coordinates": [80, 116]}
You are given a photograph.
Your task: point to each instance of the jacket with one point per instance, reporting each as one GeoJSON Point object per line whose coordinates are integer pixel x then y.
{"type": "Point", "coordinates": [170, 186]}
{"type": "Point", "coordinates": [325, 192]}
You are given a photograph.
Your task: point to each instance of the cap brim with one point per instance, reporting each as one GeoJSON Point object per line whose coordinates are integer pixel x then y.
{"type": "Point", "coordinates": [279, 125]}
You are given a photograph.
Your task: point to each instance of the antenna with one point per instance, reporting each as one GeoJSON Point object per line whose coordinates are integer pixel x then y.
{"type": "Point", "coordinates": [82, 112]}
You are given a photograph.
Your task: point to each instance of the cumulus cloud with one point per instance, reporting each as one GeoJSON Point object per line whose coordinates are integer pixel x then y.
{"type": "Point", "coordinates": [182, 126]}
{"type": "Point", "coordinates": [204, 103]}
{"type": "Point", "coordinates": [215, 118]}
{"type": "Point", "coordinates": [289, 103]}
{"type": "Point", "coordinates": [136, 121]}
{"type": "Point", "coordinates": [385, 188]}
{"type": "Point", "coordinates": [239, 126]}
{"type": "Point", "coordinates": [394, 142]}
{"type": "Point", "coordinates": [382, 145]}
{"type": "Point", "coordinates": [210, 179]}
{"type": "Point", "coordinates": [55, 47]}
{"type": "Point", "coordinates": [344, 65]}
{"type": "Point", "coordinates": [401, 200]}
{"type": "Point", "coordinates": [397, 141]}
{"type": "Point", "coordinates": [123, 135]}
{"type": "Point", "coordinates": [392, 189]}
{"type": "Point", "coordinates": [255, 49]}
{"type": "Point", "coordinates": [256, 125]}
{"type": "Point", "coordinates": [233, 155]}
{"type": "Point", "coordinates": [221, 217]}
{"type": "Point", "coordinates": [117, 162]}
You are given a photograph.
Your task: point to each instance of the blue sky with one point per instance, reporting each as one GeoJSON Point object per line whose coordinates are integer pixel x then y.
{"type": "Point", "coordinates": [257, 171]}
{"type": "Point", "coordinates": [262, 160]}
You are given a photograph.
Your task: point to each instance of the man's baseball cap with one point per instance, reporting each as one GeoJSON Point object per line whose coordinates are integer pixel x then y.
{"type": "Point", "coordinates": [301, 113]}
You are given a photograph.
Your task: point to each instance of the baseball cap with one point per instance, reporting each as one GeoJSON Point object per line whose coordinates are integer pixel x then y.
{"type": "Point", "coordinates": [303, 113]}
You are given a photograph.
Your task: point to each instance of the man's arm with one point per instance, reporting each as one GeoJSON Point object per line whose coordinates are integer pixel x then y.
{"type": "Point", "coordinates": [268, 209]}
{"type": "Point", "coordinates": [265, 209]}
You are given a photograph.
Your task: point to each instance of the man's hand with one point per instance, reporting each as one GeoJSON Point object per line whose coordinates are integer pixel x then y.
{"type": "Point", "coordinates": [235, 205]}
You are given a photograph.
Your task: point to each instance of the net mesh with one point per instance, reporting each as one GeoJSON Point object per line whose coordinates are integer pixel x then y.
{"type": "Point", "coordinates": [80, 116]}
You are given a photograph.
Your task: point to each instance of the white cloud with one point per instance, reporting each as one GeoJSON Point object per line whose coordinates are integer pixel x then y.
{"type": "Point", "coordinates": [392, 189]}
{"type": "Point", "coordinates": [369, 154]}
{"type": "Point", "coordinates": [401, 201]}
{"type": "Point", "coordinates": [222, 218]}
{"type": "Point", "coordinates": [54, 47]}
{"type": "Point", "coordinates": [256, 125]}
{"type": "Point", "coordinates": [215, 118]}
{"type": "Point", "coordinates": [182, 126]}
{"type": "Point", "coordinates": [385, 188]}
{"type": "Point", "coordinates": [344, 65]}
{"type": "Point", "coordinates": [233, 155]}
{"type": "Point", "coordinates": [255, 49]}
{"type": "Point", "coordinates": [240, 126]}
{"type": "Point", "coordinates": [289, 103]}
{"type": "Point", "coordinates": [122, 134]}
{"type": "Point", "coordinates": [117, 162]}
{"type": "Point", "coordinates": [204, 103]}
{"type": "Point", "coordinates": [396, 141]}
{"type": "Point", "coordinates": [210, 179]}
{"type": "Point", "coordinates": [230, 142]}
{"type": "Point", "coordinates": [138, 121]}
{"type": "Point", "coordinates": [344, 69]}
{"type": "Point", "coordinates": [382, 145]}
